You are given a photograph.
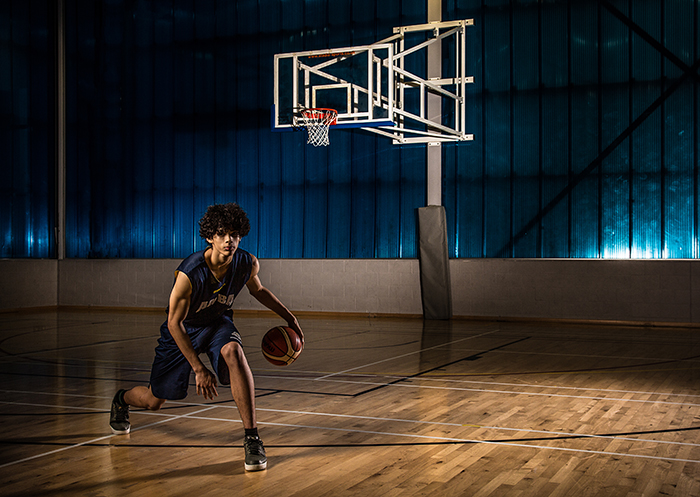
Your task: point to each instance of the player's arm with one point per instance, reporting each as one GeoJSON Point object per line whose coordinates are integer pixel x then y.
{"type": "Point", "coordinates": [179, 306]}
{"type": "Point", "coordinates": [268, 299]}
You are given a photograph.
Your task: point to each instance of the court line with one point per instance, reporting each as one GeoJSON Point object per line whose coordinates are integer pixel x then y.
{"type": "Point", "coordinates": [37, 456]}
{"type": "Point", "coordinates": [354, 416]}
{"type": "Point", "coordinates": [78, 362]}
{"type": "Point", "coordinates": [560, 387]}
{"type": "Point", "coordinates": [425, 378]}
{"type": "Point", "coordinates": [478, 355]}
{"type": "Point", "coordinates": [524, 385]}
{"type": "Point", "coordinates": [481, 390]}
{"type": "Point", "coordinates": [510, 392]}
{"type": "Point", "coordinates": [25, 355]}
{"type": "Point", "coordinates": [445, 439]}
{"type": "Point", "coordinates": [485, 427]}
{"type": "Point", "coordinates": [484, 390]}
{"type": "Point", "coordinates": [601, 356]}
{"type": "Point", "coordinates": [408, 354]}
{"type": "Point", "coordinates": [171, 417]}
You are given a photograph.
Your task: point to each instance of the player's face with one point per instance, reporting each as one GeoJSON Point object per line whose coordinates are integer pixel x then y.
{"type": "Point", "coordinates": [225, 242]}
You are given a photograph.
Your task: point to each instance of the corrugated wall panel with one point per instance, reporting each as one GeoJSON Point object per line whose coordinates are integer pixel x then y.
{"type": "Point", "coordinates": [163, 136]}
{"type": "Point", "coordinates": [646, 214]}
{"type": "Point", "coordinates": [412, 196]}
{"type": "Point", "coordinates": [293, 147]}
{"type": "Point", "coordinates": [614, 119]}
{"type": "Point", "coordinates": [696, 138]}
{"type": "Point", "coordinates": [26, 143]}
{"type": "Point", "coordinates": [388, 164]}
{"type": "Point", "coordinates": [364, 201]}
{"type": "Point", "coordinates": [184, 216]}
{"type": "Point", "coordinates": [606, 189]}
{"type": "Point", "coordinates": [555, 118]}
{"type": "Point", "coordinates": [464, 166]}
{"type": "Point", "coordinates": [141, 161]}
{"type": "Point", "coordinates": [526, 118]}
{"type": "Point", "coordinates": [388, 217]}
{"type": "Point", "coordinates": [204, 115]}
{"type": "Point", "coordinates": [248, 121]}
{"type": "Point", "coordinates": [316, 199]}
{"type": "Point", "coordinates": [412, 158]}
{"type": "Point", "coordinates": [269, 187]}
{"type": "Point", "coordinates": [169, 112]}
{"type": "Point", "coordinates": [78, 209]}
{"type": "Point", "coordinates": [497, 132]}
{"type": "Point", "coordinates": [20, 180]}
{"type": "Point", "coordinates": [6, 117]}
{"type": "Point", "coordinates": [678, 159]}
{"type": "Point", "coordinates": [584, 130]}
{"type": "Point", "coordinates": [226, 87]}
{"type": "Point", "coordinates": [41, 131]}
{"type": "Point", "coordinates": [679, 131]}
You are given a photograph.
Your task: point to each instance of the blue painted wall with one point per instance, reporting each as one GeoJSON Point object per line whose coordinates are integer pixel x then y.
{"type": "Point", "coordinates": [584, 114]}
{"type": "Point", "coordinates": [171, 112]}
{"type": "Point", "coordinates": [579, 152]}
{"type": "Point", "coordinates": [27, 181]}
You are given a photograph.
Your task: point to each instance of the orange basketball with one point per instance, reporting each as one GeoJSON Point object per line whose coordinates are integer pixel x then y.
{"type": "Point", "coordinates": [281, 345]}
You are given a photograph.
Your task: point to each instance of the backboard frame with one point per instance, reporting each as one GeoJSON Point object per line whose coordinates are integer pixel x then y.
{"type": "Point", "coordinates": [376, 100]}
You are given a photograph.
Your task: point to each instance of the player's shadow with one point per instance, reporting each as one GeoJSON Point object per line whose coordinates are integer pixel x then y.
{"type": "Point", "coordinates": [216, 470]}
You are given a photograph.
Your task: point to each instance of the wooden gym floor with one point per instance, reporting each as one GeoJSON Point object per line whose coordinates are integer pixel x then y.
{"type": "Point", "coordinates": [383, 407]}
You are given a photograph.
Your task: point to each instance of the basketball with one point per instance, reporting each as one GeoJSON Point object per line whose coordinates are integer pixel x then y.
{"type": "Point", "coordinates": [281, 345]}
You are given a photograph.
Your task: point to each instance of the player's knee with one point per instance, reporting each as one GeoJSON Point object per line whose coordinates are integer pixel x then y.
{"type": "Point", "coordinates": [232, 353]}
{"type": "Point", "coordinates": [155, 404]}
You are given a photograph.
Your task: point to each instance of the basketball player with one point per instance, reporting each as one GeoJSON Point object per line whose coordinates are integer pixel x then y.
{"type": "Point", "coordinates": [200, 321]}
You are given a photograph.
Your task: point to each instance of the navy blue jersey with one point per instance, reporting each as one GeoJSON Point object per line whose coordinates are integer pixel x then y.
{"type": "Point", "coordinates": [212, 298]}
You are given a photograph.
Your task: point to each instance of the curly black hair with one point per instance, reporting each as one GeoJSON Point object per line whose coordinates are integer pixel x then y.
{"type": "Point", "coordinates": [224, 218]}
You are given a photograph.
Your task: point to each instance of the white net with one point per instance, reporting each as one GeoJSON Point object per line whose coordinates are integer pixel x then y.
{"type": "Point", "coordinates": [317, 122]}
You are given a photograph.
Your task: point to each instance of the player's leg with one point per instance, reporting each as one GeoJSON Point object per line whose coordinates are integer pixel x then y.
{"type": "Point", "coordinates": [242, 383]}
{"type": "Point", "coordinates": [143, 397]}
{"type": "Point", "coordinates": [136, 397]}
{"type": "Point", "coordinates": [243, 391]}
{"type": "Point", "coordinates": [229, 361]}
{"type": "Point", "coordinates": [169, 380]}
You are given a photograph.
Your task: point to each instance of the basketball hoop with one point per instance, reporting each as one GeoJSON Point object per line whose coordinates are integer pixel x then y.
{"type": "Point", "coordinates": [316, 122]}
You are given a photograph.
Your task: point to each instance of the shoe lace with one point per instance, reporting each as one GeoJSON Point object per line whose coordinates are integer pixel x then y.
{"type": "Point", "coordinates": [121, 413]}
{"type": "Point", "coordinates": [254, 446]}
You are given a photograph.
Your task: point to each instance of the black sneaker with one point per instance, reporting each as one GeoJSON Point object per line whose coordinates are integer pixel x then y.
{"type": "Point", "coordinates": [119, 416]}
{"type": "Point", "coordinates": [255, 459]}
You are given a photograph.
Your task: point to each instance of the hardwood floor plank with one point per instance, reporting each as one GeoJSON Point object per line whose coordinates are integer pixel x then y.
{"type": "Point", "coordinates": [373, 407]}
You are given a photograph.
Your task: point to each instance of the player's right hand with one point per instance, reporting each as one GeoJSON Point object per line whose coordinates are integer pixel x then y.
{"type": "Point", "coordinates": [294, 324]}
{"type": "Point", "coordinates": [206, 384]}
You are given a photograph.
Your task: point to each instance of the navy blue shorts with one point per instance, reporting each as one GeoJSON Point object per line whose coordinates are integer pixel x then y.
{"type": "Point", "coordinates": [170, 374]}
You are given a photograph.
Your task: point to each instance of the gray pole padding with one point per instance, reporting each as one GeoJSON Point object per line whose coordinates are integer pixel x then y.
{"type": "Point", "coordinates": [436, 289]}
